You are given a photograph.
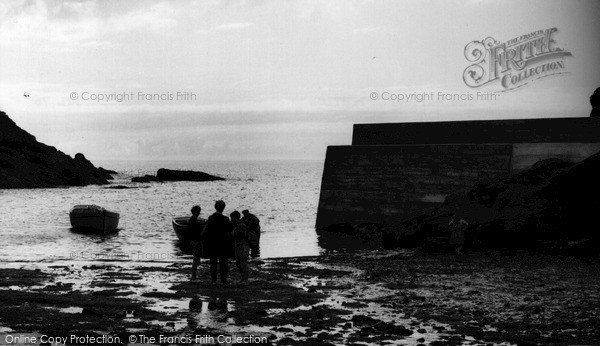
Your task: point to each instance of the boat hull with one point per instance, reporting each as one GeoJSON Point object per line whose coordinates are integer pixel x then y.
{"type": "Point", "coordinates": [94, 219]}
{"type": "Point", "coordinates": [183, 231]}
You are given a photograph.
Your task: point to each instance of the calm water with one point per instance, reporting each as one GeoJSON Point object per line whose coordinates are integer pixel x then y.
{"type": "Point", "coordinates": [34, 224]}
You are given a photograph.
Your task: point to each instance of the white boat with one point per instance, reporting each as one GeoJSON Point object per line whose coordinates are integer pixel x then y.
{"type": "Point", "coordinates": [182, 229]}
{"type": "Point", "coordinates": [93, 218]}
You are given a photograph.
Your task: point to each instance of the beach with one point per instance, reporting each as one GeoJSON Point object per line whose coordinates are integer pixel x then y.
{"type": "Point", "coordinates": [410, 173]}
{"type": "Point", "coordinates": [365, 297]}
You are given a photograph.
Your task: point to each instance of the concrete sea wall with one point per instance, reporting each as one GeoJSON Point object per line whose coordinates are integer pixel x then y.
{"type": "Point", "coordinates": [400, 170]}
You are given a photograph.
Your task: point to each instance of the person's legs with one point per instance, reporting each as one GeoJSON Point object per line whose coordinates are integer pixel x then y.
{"type": "Point", "coordinates": [258, 244]}
{"type": "Point", "coordinates": [195, 265]}
{"type": "Point", "coordinates": [213, 269]}
{"type": "Point", "coordinates": [238, 264]}
{"type": "Point", "coordinates": [244, 269]}
{"type": "Point", "coordinates": [224, 268]}
{"type": "Point", "coordinates": [254, 251]}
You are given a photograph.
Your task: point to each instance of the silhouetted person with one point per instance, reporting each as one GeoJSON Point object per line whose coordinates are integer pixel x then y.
{"type": "Point", "coordinates": [196, 241]}
{"type": "Point", "coordinates": [457, 237]}
{"type": "Point", "coordinates": [240, 241]}
{"type": "Point", "coordinates": [217, 242]}
{"type": "Point", "coordinates": [253, 225]}
{"type": "Point", "coordinates": [595, 102]}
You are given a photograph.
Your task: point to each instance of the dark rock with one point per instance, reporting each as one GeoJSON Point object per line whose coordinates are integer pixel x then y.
{"type": "Point", "coordinates": [323, 335]}
{"type": "Point", "coordinates": [119, 187]}
{"type": "Point", "coordinates": [389, 328]}
{"type": "Point", "coordinates": [367, 330]}
{"type": "Point", "coordinates": [108, 171]}
{"type": "Point", "coordinates": [85, 163]}
{"type": "Point", "coordinates": [348, 236]}
{"type": "Point", "coordinates": [175, 175]}
{"type": "Point", "coordinates": [355, 305]}
{"type": "Point", "coordinates": [217, 304]}
{"type": "Point", "coordinates": [595, 102]}
{"type": "Point", "coordinates": [362, 320]}
{"type": "Point", "coordinates": [550, 203]}
{"type": "Point", "coordinates": [104, 312]}
{"type": "Point", "coordinates": [146, 179]}
{"type": "Point", "coordinates": [287, 341]}
{"type": "Point", "coordinates": [27, 163]}
{"type": "Point", "coordinates": [164, 174]}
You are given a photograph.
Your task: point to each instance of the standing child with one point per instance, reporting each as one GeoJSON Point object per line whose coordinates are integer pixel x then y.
{"type": "Point", "coordinates": [240, 240]}
{"type": "Point", "coordinates": [196, 243]}
{"type": "Point", "coordinates": [253, 228]}
{"type": "Point", "coordinates": [457, 238]}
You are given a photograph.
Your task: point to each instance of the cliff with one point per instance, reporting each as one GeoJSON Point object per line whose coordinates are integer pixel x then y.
{"type": "Point", "coordinates": [27, 163]}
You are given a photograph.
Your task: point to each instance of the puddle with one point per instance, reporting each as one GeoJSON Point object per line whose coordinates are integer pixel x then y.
{"type": "Point", "coordinates": [71, 310]}
{"type": "Point", "coordinates": [170, 306]}
{"type": "Point", "coordinates": [173, 325]}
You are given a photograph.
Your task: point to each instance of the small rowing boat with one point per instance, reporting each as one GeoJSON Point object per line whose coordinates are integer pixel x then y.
{"type": "Point", "coordinates": [183, 230]}
{"type": "Point", "coordinates": [93, 218]}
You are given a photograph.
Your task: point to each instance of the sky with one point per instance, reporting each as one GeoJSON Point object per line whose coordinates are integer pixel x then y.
{"type": "Point", "coordinates": [268, 79]}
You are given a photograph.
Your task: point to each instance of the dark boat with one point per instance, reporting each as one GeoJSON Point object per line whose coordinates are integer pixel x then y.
{"type": "Point", "coordinates": [93, 218]}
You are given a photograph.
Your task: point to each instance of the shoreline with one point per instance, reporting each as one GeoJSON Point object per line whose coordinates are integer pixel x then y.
{"type": "Point", "coordinates": [373, 297]}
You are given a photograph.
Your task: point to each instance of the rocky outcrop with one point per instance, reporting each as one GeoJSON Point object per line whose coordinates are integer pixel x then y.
{"type": "Point", "coordinates": [27, 163]}
{"type": "Point", "coordinates": [108, 172]}
{"type": "Point", "coordinates": [595, 102]}
{"type": "Point", "coordinates": [175, 175]}
{"type": "Point", "coordinates": [553, 202]}
{"type": "Point", "coordinates": [164, 174]}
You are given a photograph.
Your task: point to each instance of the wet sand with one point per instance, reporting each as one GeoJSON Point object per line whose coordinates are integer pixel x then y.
{"type": "Point", "coordinates": [372, 297]}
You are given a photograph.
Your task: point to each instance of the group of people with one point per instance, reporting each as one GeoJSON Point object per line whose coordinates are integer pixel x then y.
{"type": "Point", "coordinates": [220, 238]}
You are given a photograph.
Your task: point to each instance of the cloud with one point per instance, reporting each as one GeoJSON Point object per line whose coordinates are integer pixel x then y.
{"type": "Point", "coordinates": [157, 17]}
{"type": "Point", "coordinates": [97, 44]}
{"type": "Point", "coordinates": [70, 24]}
{"type": "Point", "coordinates": [335, 10]}
{"type": "Point", "coordinates": [233, 26]}
{"type": "Point", "coordinates": [373, 30]}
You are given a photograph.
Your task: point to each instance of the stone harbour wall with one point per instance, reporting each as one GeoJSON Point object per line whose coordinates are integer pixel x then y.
{"type": "Point", "coordinates": [396, 171]}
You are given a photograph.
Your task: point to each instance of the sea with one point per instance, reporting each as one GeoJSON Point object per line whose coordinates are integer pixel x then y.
{"type": "Point", "coordinates": [35, 226]}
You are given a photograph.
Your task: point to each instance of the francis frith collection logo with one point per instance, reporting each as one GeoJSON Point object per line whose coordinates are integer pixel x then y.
{"type": "Point", "coordinates": [516, 62]}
